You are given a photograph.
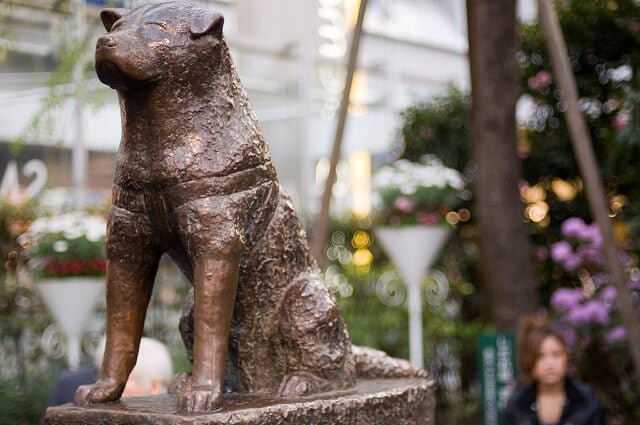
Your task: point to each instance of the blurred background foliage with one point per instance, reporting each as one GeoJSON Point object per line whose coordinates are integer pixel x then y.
{"type": "Point", "coordinates": [603, 40]}
{"type": "Point", "coordinates": [440, 126]}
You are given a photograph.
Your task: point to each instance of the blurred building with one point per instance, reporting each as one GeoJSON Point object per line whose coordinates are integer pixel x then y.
{"type": "Point", "coordinates": [291, 56]}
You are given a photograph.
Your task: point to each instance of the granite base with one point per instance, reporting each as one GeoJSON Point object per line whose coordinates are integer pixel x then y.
{"type": "Point", "coordinates": [371, 402]}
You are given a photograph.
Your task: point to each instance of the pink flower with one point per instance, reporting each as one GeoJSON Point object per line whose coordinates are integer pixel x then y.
{"type": "Point", "coordinates": [615, 335]}
{"type": "Point", "coordinates": [592, 233]}
{"type": "Point", "coordinates": [593, 311]}
{"type": "Point", "coordinates": [599, 311]}
{"type": "Point", "coordinates": [590, 254]}
{"type": "Point", "coordinates": [541, 79]}
{"type": "Point", "coordinates": [566, 299]}
{"type": "Point", "coordinates": [571, 262]}
{"type": "Point", "coordinates": [403, 204]}
{"type": "Point", "coordinates": [544, 78]}
{"type": "Point", "coordinates": [620, 121]}
{"type": "Point", "coordinates": [542, 253]}
{"type": "Point", "coordinates": [609, 294]}
{"type": "Point", "coordinates": [427, 219]}
{"type": "Point", "coordinates": [600, 279]}
{"type": "Point", "coordinates": [560, 251]}
{"type": "Point", "coordinates": [573, 227]}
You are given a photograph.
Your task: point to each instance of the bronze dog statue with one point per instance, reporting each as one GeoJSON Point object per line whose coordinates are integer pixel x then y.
{"type": "Point", "coordinates": [194, 179]}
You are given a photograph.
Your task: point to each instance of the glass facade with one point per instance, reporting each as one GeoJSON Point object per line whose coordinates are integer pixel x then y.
{"type": "Point", "coordinates": [293, 70]}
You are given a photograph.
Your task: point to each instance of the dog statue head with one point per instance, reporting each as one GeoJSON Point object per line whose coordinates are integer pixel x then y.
{"type": "Point", "coordinates": [155, 43]}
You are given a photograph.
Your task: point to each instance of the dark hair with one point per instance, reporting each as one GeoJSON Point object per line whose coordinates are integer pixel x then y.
{"type": "Point", "coordinates": [531, 332]}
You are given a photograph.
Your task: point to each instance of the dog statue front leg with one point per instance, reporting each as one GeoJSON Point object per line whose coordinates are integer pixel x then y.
{"type": "Point", "coordinates": [131, 269]}
{"type": "Point", "coordinates": [215, 282]}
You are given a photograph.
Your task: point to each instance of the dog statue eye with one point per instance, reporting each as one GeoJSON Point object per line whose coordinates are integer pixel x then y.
{"type": "Point", "coordinates": [160, 24]}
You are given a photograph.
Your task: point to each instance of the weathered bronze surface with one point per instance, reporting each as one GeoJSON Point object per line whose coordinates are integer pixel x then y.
{"type": "Point", "coordinates": [194, 179]}
{"type": "Point", "coordinates": [371, 402]}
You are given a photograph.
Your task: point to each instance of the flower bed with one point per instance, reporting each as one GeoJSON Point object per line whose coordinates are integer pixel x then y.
{"type": "Point", "coordinates": [406, 193]}
{"type": "Point", "coordinates": [71, 244]}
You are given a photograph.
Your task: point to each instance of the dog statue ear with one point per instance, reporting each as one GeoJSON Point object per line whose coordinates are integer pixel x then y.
{"type": "Point", "coordinates": [110, 16]}
{"type": "Point", "coordinates": [207, 22]}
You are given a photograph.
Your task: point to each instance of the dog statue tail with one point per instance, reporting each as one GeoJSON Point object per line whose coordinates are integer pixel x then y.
{"type": "Point", "coordinates": [376, 364]}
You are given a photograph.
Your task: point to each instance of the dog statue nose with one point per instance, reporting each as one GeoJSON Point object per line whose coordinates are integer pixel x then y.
{"type": "Point", "coordinates": [105, 41]}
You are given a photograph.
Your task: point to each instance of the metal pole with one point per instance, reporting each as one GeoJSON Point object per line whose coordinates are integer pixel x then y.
{"type": "Point", "coordinates": [305, 66]}
{"type": "Point", "coordinates": [581, 141]}
{"type": "Point", "coordinates": [321, 228]}
{"type": "Point", "coordinates": [79, 155]}
{"type": "Point", "coordinates": [415, 323]}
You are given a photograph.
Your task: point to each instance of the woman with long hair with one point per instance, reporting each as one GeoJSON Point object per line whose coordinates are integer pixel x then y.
{"type": "Point", "coordinates": [547, 395]}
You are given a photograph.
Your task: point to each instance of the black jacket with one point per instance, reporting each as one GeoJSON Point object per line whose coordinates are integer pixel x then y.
{"type": "Point", "coordinates": [581, 406]}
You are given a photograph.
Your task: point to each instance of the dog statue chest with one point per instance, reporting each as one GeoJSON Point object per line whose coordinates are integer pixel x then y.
{"type": "Point", "coordinates": [155, 162]}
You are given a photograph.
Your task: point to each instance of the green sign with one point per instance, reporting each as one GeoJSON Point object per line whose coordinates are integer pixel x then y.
{"type": "Point", "coordinates": [496, 352]}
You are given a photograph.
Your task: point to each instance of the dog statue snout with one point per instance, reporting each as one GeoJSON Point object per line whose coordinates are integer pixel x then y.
{"type": "Point", "coordinates": [105, 41]}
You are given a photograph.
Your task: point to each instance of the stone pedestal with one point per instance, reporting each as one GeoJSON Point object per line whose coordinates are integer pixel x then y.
{"type": "Point", "coordinates": [371, 402]}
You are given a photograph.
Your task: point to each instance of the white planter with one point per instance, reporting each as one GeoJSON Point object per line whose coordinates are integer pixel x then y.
{"type": "Point", "coordinates": [71, 301]}
{"type": "Point", "coordinates": [413, 250]}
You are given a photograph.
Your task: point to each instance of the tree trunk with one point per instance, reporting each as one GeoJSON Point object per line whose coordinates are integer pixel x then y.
{"type": "Point", "coordinates": [509, 285]}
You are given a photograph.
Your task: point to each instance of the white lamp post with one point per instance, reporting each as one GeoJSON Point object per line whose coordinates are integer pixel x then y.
{"type": "Point", "coordinates": [413, 250]}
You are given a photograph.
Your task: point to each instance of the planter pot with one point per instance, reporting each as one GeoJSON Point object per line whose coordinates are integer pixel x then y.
{"type": "Point", "coordinates": [413, 250]}
{"type": "Point", "coordinates": [71, 301]}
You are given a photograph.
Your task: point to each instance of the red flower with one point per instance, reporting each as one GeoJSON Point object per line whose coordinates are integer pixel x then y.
{"type": "Point", "coordinates": [100, 265]}
{"type": "Point", "coordinates": [75, 267]}
{"type": "Point", "coordinates": [431, 218]}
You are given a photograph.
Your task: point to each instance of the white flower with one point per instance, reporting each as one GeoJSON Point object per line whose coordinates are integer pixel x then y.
{"type": "Point", "coordinates": [407, 176]}
{"type": "Point", "coordinates": [95, 228]}
{"type": "Point", "coordinates": [71, 225]}
{"type": "Point", "coordinates": [621, 73]}
{"type": "Point", "coordinates": [60, 246]}
{"type": "Point", "coordinates": [73, 233]}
